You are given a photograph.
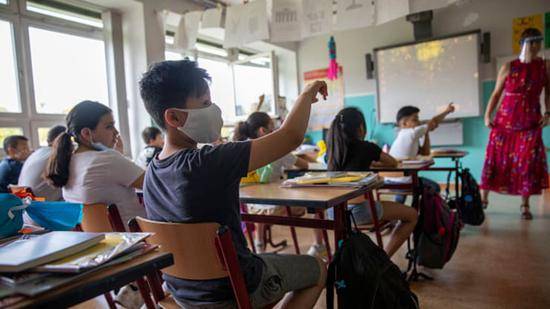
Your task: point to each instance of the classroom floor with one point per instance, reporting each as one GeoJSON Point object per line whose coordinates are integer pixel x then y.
{"type": "Point", "coordinates": [502, 264]}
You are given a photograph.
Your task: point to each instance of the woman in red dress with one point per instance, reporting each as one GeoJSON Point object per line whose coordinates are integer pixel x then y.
{"type": "Point", "coordinates": [515, 160]}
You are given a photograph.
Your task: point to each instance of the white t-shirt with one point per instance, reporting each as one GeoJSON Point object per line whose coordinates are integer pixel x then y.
{"type": "Point", "coordinates": [407, 143]}
{"type": "Point", "coordinates": [104, 177]}
{"type": "Point", "coordinates": [31, 175]}
{"type": "Point", "coordinates": [280, 165]}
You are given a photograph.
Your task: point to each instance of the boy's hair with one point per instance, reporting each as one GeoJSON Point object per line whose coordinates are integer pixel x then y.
{"type": "Point", "coordinates": [149, 134]}
{"type": "Point", "coordinates": [54, 132]}
{"type": "Point", "coordinates": [169, 84]}
{"type": "Point", "coordinates": [406, 111]}
{"type": "Point", "coordinates": [12, 140]}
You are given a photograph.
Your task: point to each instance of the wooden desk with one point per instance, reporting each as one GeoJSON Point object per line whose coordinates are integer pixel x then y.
{"type": "Point", "coordinates": [318, 198]}
{"type": "Point", "coordinates": [455, 156]}
{"type": "Point", "coordinates": [99, 282]}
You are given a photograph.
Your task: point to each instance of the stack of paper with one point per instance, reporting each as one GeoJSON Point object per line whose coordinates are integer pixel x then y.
{"type": "Point", "coordinates": [332, 179]}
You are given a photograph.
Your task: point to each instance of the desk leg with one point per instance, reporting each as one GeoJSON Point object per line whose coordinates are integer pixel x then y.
{"type": "Point", "coordinates": [339, 224]}
{"type": "Point", "coordinates": [321, 215]}
{"type": "Point", "coordinates": [372, 205]}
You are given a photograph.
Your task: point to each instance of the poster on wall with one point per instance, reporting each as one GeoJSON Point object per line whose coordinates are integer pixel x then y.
{"type": "Point", "coordinates": [317, 17]}
{"type": "Point", "coordinates": [245, 23]}
{"type": "Point", "coordinates": [521, 23]}
{"type": "Point", "coordinates": [323, 112]}
{"type": "Point", "coordinates": [285, 21]}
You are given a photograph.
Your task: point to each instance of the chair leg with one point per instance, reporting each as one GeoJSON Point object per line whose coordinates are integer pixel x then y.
{"type": "Point", "coordinates": [155, 282]}
{"type": "Point", "coordinates": [250, 236]}
{"type": "Point", "coordinates": [110, 300]}
{"type": "Point", "coordinates": [145, 293]}
{"type": "Point", "coordinates": [293, 232]}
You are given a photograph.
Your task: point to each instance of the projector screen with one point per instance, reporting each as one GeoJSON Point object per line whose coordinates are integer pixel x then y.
{"type": "Point", "coordinates": [429, 75]}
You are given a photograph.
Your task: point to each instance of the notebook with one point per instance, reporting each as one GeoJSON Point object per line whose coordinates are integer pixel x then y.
{"type": "Point", "coordinates": [29, 252]}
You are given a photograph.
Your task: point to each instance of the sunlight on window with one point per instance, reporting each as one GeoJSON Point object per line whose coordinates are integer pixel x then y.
{"type": "Point", "coordinates": [251, 81]}
{"type": "Point", "coordinates": [6, 131]}
{"type": "Point", "coordinates": [66, 69]}
{"type": "Point", "coordinates": [9, 100]}
{"type": "Point", "coordinates": [63, 14]}
{"type": "Point", "coordinates": [221, 88]}
{"type": "Point", "coordinates": [3, 1]}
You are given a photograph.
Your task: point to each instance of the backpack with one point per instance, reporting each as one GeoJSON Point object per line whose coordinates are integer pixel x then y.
{"type": "Point", "coordinates": [437, 231]}
{"type": "Point", "coordinates": [469, 204]}
{"type": "Point", "coordinates": [365, 277]}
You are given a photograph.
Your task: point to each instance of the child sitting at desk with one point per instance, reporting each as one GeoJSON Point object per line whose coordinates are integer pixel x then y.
{"type": "Point", "coordinates": [153, 139]}
{"type": "Point", "coordinates": [187, 184]}
{"type": "Point", "coordinates": [347, 151]}
{"type": "Point", "coordinates": [411, 131]}
{"type": "Point", "coordinates": [259, 124]}
{"type": "Point", "coordinates": [17, 151]}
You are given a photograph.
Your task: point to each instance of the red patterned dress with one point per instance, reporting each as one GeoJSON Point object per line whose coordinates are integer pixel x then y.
{"type": "Point", "coordinates": [515, 161]}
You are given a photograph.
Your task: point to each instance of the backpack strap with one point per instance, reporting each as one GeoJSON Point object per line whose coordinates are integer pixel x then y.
{"type": "Point", "coordinates": [331, 278]}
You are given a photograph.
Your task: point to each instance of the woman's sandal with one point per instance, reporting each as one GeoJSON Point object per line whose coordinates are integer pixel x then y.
{"type": "Point", "coordinates": [525, 213]}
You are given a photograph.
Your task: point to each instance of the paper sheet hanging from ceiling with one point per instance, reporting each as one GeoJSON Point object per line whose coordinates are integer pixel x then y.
{"type": "Point", "coordinates": [388, 10]}
{"type": "Point", "coordinates": [317, 17]}
{"type": "Point", "coordinates": [188, 30]}
{"type": "Point", "coordinates": [245, 23]}
{"type": "Point", "coordinates": [285, 21]}
{"type": "Point", "coordinates": [323, 112]}
{"type": "Point", "coordinates": [212, 18]}
{"type": "Point", "coordinates": [354, 14]}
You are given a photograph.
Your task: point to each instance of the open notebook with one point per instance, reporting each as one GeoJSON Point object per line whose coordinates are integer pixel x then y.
{"type": "Point", "coordinates": [332, 179]}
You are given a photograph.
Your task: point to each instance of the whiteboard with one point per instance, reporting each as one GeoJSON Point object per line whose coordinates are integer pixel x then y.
{"type": "Point", "coordinates": [429, 75]}
{"type": "Point", "coordinates": [447, 134]}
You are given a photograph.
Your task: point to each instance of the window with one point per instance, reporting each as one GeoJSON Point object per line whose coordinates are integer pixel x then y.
{"type": "Point", "coordinates": [65, 11]}
{"type": "Point", "coordinates": [43, 136]}
{"type": "Point", "coordinates": [253, 78]}
{"type": "Point", "coordinates": [7, 131]}
{"type": "Point", "coordinates": [9, 101]}
{"type": "Point", "coordinates": [221, 87]}
{"type": "Point", "coordinates": [170, 55]}
{"type": "Point", "coordinates": [3, 1]}
{"type": "Point", "coordinates": [66, 70]}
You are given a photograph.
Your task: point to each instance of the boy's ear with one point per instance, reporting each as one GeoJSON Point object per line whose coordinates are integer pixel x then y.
{"type": "Point", "coordinates": [174, 118]}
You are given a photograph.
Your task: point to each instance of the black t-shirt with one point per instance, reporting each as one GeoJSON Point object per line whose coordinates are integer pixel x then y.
{"type": "Point", "coordinates": [361, 155]}
{"type": "Point", "coordinates": [202, 185]}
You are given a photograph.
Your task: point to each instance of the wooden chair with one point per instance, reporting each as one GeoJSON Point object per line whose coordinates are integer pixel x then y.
{"type": "Point", "coordinates": [202, 251]}
{"type": "Point", "coordinates": [102, 218]}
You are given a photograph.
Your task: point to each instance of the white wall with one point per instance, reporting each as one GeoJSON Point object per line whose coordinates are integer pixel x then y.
{"type": "Point", "coordinates": [494, 16]}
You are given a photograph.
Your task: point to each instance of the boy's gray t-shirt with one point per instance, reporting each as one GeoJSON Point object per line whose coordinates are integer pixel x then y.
{"type": "Point", "coordinates": [202, 185]}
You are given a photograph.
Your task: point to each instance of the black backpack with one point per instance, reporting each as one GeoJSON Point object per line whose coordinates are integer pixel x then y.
{"type": "Point", "coordinates": [469, 203]}
{"type": "Point", "coordinates": [437, 232]}
{"type": "Point", "coordinates": [365, 277]}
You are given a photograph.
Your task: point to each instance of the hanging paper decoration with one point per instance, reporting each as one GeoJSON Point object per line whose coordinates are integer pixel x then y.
{"type": "Point", "coordinates": [352, 14]}
{"type": "Point", "coordinates": [212, 18]}
{"type": "Point", "coordinates": [285, 21]}
{"type": "Point", "coordinates": [317, 17]}
{"type": "Point", "coordinates": [187, 31]}
{"type": "Point", "coordinates": [332, 72]}
{"type": "Point", "coordinates": [246, 23]}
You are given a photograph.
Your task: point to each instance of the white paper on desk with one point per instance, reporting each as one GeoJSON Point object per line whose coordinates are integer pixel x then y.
{"type": "Point", "coordinates": [317, 17]}
{"type": "Point", "coordinates": [212, 18]}
{"type": "Point", "coordinates": [398, 180]}
{"type": "Point", "coordinates": [285, 21]}
{"type": "Point", "coordinates": [246, 23]}
{"type": "Point", "coordinates": [388, 10]}
{"type": "Point", "coordinates": [351, 14]}
{"type": "Point", "coordinates": [188, 30]}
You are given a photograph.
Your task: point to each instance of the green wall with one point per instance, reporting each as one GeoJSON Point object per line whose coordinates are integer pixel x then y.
{"type": "Point", "coordinates": [475, 133]}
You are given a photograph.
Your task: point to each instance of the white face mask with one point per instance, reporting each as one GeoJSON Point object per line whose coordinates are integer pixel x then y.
{"type": "Point", "coordinates": [203, 125]}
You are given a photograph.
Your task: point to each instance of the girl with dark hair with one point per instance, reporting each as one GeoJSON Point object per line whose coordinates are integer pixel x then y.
{"type": "Point", "coordinates": [347, 151]}
{"type": "Point", "coordinates": [259, 124]}
{"type": "Point", "coordinates": [515, 160]}
{"type": "Point", "coordinates": [94, 172]}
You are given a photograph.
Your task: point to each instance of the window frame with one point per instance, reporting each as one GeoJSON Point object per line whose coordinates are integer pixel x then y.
{"type": "Point", "coordinates": [21, 20]}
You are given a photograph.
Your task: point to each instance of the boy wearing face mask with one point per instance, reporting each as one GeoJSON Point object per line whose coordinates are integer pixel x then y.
{"type": "Point", "coordinates": [187, 184]}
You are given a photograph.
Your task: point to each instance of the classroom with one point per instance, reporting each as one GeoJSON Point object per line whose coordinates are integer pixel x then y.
{"type": "Point", "coordinates": [274, 154]}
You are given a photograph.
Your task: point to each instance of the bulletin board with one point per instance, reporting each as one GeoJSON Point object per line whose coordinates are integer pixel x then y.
{"type": "Point", "coordinates": [323, 112]}
{"type": "Point", "coordinates": [521, 23]}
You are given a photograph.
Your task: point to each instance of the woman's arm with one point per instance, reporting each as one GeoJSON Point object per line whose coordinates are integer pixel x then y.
{"type": "Point", "coordinates": [546, 117]}
{"type": "Point", "coordinates": [497, 93]}
{"type": "Point", "coordinates": [273, 146]}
